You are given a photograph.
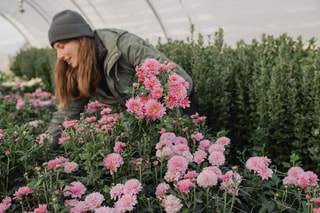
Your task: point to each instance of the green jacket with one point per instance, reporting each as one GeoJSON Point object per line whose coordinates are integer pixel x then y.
{"type": "Point", "coordinates": [125, 51]}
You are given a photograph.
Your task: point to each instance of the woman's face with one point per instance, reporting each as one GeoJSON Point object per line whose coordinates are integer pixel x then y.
{"type": "Point", "coordinates": [68, 51]}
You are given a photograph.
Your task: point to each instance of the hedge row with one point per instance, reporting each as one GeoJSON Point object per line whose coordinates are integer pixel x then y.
{"type": "Point", "coordinates": [266, 94]}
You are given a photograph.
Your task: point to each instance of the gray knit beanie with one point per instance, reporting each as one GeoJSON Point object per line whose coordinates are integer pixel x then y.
{"type": "Point", "coordinates": [68, 24]}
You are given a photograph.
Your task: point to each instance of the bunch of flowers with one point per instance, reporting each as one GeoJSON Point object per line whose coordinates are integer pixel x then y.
{"type": "Point", "coordinates": [158, 89]}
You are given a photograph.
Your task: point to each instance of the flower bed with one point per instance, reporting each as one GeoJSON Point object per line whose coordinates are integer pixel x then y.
{"type": "Point", "coordinates": [149, 158]}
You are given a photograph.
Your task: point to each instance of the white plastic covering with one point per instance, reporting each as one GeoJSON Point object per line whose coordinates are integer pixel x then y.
{"type": "Point", "coordinates": [151, 19]}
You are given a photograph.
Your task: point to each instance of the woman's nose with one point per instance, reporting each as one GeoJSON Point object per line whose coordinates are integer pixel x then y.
{"type": "Point", "coordinates": [60, 55]}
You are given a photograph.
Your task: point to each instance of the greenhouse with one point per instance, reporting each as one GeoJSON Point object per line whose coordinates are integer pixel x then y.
{"type": "Point", "coordinates": [159, 106]}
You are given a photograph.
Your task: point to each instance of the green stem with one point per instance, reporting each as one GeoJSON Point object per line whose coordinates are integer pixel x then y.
{"type": "Point", "coordinates": [225, 200]}
{"type": "Point", "coordinates": [7, 176]}
{"type": "Point", "coordinates": [194, 198]}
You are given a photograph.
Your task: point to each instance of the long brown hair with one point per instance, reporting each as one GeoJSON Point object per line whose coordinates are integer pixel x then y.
{"type": "Point", "coordinates": [74, 83]}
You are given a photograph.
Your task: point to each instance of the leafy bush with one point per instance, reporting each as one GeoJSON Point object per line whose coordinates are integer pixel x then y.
{"type": "Point", "coordinates": [35, 63]}
{"type": "Point", "coordinates": [266, 94]}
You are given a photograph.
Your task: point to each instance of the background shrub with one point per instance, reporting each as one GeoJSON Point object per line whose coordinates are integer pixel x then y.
{"type": "Point", "coordinates": [34, 62]}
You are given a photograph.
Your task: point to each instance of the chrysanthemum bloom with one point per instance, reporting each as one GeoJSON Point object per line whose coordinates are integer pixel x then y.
{"type": "Point", "coordinates": [265, 173]}
{"type": "Point", "coordinates": [68, 124]}
{"type": "Point", "coordinates": [191, 175]}
{"type": "Point", "coordinates": [105, 209]}
{"type": "Point", "coordinates": [216, 148]}
{"type": "Point", "coordinates": [105, 111]}
{"type": "Point", "coordinates": [180, 148]}
{"type": "Point", "coordinates": [156, 93]}
{"type": "Point", "coordinates": [70, 167]}
{"type": "Point", "coordinates": [6, 200]}
{"type": "Point", "coordinates": [126, 203]}
{"type": "Point", "coordinates": [35, 123]}
{"type": "Point", "coordinates": [63, 139]}
{"type": "Point", "coordinates": [82, 206]}
{"type": "Point", "coordinates": [216, 158]}
{"type": "Point", "coordinates": [77, 189]}
{"type": "Point", "coordinates": [151, 83]}
{"type": "Point", "coordinates": [176, 79]}
{"type": "Point", "coordinates": [20, 104]}
{"type": "Point", "coordinates": [171, 101]}
{"type": "Point", "coordinates": [316, 200]}
{"type": "Point", "coordinates": [290, 180]}
{"type": "Point", "coordinates": [58, 161]}
{"type": "Point", "coordinates": [180, 140]}
{"type": "Point", "coordinates": [72, 202]}
{"type": "Point", "coordinates": [113, 161]}
{"type": "Point", "coordinates": [224, 141]}
{"type": "Point", "coordinates": [118, 147]}
{"type": "Point", "coordinates": [152, 66]}
{"type": "Point", "coordinates": [184, 185]}
{"type": "Point", "coordinates": [162, 189]}
{"type": "Point", "coordinates": [135, 105]}
{"type": "Point", "coordinates": [117, 191]}
{"type": "Point", "coordinates": [132, 186]}
{"type": "Point", "coordinates": [3, 207]}
{"type": "Point", "coordinates": [177, 164]}
{"type": "Point", "coordinates": [171, 204]}
{"type": "Point", "coordinates": [179, 92]}
{"type": "Point", "coordinates": [204, 145]}
{"type": "Point", "coordinates": [313, 178]}
{"type": "Point", "coordinates": [257, 163]}
{"type": "Point", "coordinates": [170, 136]}
{"type": "Point", "coordinates": [164, 143]}
{"type": "Point", "coordinates": [94, 200]}
{"type": "Point", "coordinates": [154, 109]}
{"type": "Point", "coordinates": [213, 169]}
{"type": "Point", "coordinates": [25, 190]}
{"type": "Point", "coordinates": [199, 156]}
{"type": "Point", "coordinates": [303, 179]}
{"type": "Point", "coordinates": [207, 179]}
{"type": "Point", "coordinates": [316, 210]}
{"type": "Point", "coordinates": [90, 119]}
{"type": "Point", "coordinates": [41, 209]}
{"type": "Point", "coordinates": [165, 151]}
{"type": "Point", "coordinates": [197, 136]}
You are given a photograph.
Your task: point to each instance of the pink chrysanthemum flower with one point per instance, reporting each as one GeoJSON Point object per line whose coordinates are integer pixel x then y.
{"type": "Point", "coordinates": [154, 109]}
{"type": "Point", "coordinates": [313, 178]}
{"type": "Point", "coordinates": [171, 204]}
{"type": "Point", "coordinates": [68, 124]}
{"type": "Point", "coordinates": [171, 101]}
{"type": "Point", "coordinates": [25, 190]}
{"type": "Point", "coordinates": [156, 93]}
{"type": "Point", "coordinates": [126, 203]}
{"type": "Point", "coordinates": [171, 176]}
{"type": "Point", "coordinates": [113, 161]}
{"type": "Point", "coordinates": [257, 163]}
{"type": "Point", "coordinates": [175, 79]}
{"type": "Point", "coordinates": [58, 161]}
{"type": "Point", "coordinates": [162, 189]}
{"type": "Point", "coordinates": [180, 140]}
{"type": "Point", "coordinates": [105, 111]}
{"type": "Point", "coordinates": [191, 175]}
{"type": "Point", "coordinates": [224, 141]}
{"type": "Point", "coordinates": [94, 200]}
{"type": "Point", "coordinates": [152, 83]}
{"type": "Point", "coordinates": [72, 202]}
{"type": "Point", "coordinates": [207, 179]}
{"type": "Point", "coordinates": [170, 136]}
{"type": "Point", "coordinates": [197, 136]}
{"type": "Point", "coordinates": [216, 148]}
{"type": "Point", "coordinates": [132, 186]}
{"type": "Point", "coordinates": [295, 171]}
{"type": "Point", "coordinates": [180, 148]}
{"type": "Point", "coordinates": [135, 105]}
{"type": "Point", "coordinates": [118, 147]}
{"type": "Point", "coordinates": [77, 189]}
{"type": "Point", "coordinates": [178, 91]}
{"type": "Point", "coordinates": [4, 207]}
{"type": "Point", "coordinates": [164, 152]}
{"type": "Point", "coordinates": [70, 167]}
{"type": "Point", "coordinates": [177, 164]}
{"type": "Point", "coordinates": [42, 208]}
{"type": "Point", "coordinates": [216, 158]}
{"type": "Point", "coordinates": [63, 139]}
{"type": "Point", "coordinates": [117, 191]}
{"type": "Point", "coordinates": [184, 185]}
{"type": "Point", "coordinates": [199, 156]}
{"type": "Point", "coordinates": [152, 66]}
{"type": "Point", "coordinates": [290, 180]}
{"type": "Point", "coordinates": [42, 137]}
{"type": "Point", "coordinates": [303, 180]}
{"type": "Point", "coordinates": [81, 206]}
{"type": "Point", "coordinates": [213, 169]}
{"type": "Point", "coordinates": [204, 145]}
{"type": "Point", "coordinates": [265, 173]}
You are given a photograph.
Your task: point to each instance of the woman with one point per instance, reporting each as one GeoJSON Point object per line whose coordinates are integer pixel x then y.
{"type": "Point", "coordinates": [97, 65]}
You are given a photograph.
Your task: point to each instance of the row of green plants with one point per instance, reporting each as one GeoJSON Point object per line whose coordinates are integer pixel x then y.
{"type": "Point", "coordinates": [265, 93]}
{"type": "Point", "coordinates": [148, 158]}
